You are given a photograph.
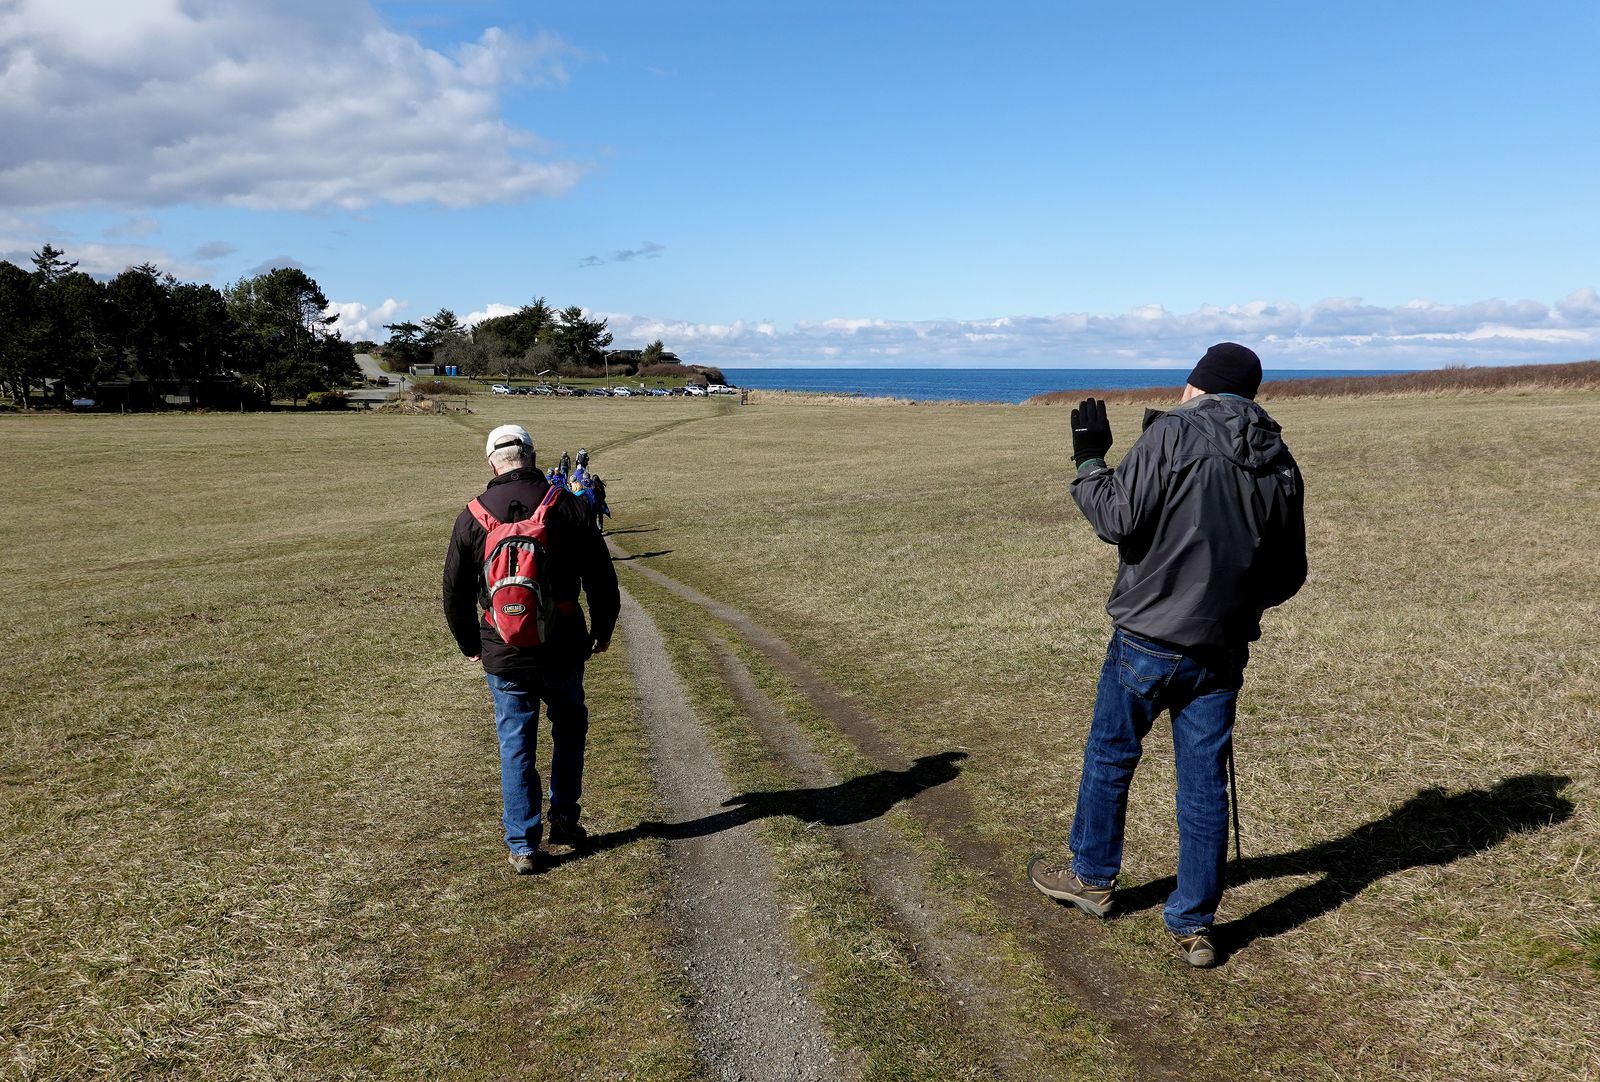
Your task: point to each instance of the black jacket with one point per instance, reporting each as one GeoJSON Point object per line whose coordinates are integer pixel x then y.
{"type": "Point", "coordinates": [578, 557]}
{"type": "Point", "coordinates": [1207, 513]}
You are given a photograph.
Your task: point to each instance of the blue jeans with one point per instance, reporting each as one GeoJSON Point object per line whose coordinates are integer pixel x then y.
{"type": "Point", "coordinates": [516, 719]}
{"type": "Point", "coordinates": [1140, 679]}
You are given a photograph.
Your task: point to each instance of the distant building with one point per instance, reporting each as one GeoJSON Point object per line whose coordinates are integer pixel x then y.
{"type": "Point", "coordinates": [421, 370]}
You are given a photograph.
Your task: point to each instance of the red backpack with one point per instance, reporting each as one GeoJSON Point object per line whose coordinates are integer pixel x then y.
{"type": "Point", "coordinates": [516, 574]}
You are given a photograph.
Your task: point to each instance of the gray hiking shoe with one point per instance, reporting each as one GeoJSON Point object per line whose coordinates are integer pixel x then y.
{"type": "Point", "coordinates": [1197, 948]}
{"type": "Point", "coordinates": [1060, 882]}
{"type": "Point", "coordinates": [524, 863]}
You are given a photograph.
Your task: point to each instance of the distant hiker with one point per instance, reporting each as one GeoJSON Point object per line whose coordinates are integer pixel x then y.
{"type": "Point", "coordinates": [513, 603]}
{"type": "Point", "coordinates": [1206, 511]}
{"type": "Point", "coordinates": [588, 485]}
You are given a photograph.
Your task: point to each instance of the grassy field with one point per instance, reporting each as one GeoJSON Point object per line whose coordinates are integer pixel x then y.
{"type": "Point", "coordinates": [1419, 746]}
{"type": "Point", "coordinates": [248, 799]}
{"type": "Point", "coordinates": [249, 804]}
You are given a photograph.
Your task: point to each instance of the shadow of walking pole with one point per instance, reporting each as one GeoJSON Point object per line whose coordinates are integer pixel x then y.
{"type": "Point", "coordinates": [1431, 828]}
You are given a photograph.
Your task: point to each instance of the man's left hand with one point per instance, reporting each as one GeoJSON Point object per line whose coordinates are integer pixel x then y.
{"type": "Point", "coordinates": [1091, 431]}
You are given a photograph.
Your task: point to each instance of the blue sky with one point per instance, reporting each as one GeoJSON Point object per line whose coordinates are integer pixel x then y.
{"type": "Point", "coordinates": [1350, 185]}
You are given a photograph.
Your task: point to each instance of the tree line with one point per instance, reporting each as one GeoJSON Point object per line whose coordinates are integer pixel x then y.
{"type": "Point", "coordinates": [534, 340]}
{"type": "Point", "coordinates": [63, 333]}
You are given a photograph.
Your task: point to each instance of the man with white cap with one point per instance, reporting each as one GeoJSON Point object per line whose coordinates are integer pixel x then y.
{"type": "Point", "coordinates": [553, 533]}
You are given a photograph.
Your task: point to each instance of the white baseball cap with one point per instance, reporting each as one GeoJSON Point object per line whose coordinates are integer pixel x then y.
{"type": "Point", "coordinates": [506, 436]}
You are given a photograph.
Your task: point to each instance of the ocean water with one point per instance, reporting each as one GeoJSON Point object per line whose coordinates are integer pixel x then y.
{"type": "Point", "coordinates": [972, 384]}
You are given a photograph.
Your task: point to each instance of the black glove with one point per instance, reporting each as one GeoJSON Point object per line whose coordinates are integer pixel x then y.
{"type": "Point", "coordinates": [1091, 431]}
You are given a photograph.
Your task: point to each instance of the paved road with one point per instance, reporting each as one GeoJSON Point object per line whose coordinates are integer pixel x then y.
{"type": "Point", "coordinates": [372, 370]}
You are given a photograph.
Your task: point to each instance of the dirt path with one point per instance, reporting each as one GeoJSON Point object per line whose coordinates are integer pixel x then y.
{"type": "Point", "coordinates": [896, 873]}
{"type": "Point", "coordinates": [753, 1019]}
{"type": "Point", "coordinates": [1063, 940]}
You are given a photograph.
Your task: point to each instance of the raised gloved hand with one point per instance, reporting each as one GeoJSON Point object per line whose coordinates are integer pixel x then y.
{"type": "Point", "coordinates": [1091, 431]}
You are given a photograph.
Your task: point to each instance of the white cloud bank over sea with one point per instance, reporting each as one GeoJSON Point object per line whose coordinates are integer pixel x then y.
{"type": "Point", "coordinates": [1337, 333]}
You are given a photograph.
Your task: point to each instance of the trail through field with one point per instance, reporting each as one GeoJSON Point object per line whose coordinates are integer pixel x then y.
{"type": "Point", "coordinates": [1063, 940]}
{"type": "Point", "coordinates": [897, 874]}
{"type": "Point", "coordinates": [754, 1018]}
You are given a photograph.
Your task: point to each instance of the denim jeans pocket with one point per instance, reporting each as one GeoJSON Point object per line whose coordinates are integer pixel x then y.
{"type": "Point", "coordinates": [1143, 669]}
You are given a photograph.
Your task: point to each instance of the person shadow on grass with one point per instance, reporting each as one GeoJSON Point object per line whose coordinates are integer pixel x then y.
{"type": "Point", "coordinates": [858, 800]}
{"type": "Point", "coordinates": [1431, 828]}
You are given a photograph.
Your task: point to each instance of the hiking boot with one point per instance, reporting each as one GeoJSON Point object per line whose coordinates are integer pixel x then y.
{"type": "Point", "coordinates": [524, 863]}
{"type": "Point", "coordinates": [1197, 948]}
{"type": "Point", "coordinates": [1062, 883]}
{"type": "Point", "coordinates": [567, 832]}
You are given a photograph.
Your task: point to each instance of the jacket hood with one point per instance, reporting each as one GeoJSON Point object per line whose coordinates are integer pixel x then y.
{"type": "Point", "coordinates": [1237, 427]}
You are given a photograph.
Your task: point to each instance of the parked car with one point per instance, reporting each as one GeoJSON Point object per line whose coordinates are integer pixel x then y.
{"type": "Point", "coordinates": [500, 388]}
{"type": "Point", "coordinates": [695, 389]}
{"type": "Point", "coordinates": [721, 388]}
{"type": "Point", "coordinates": [621, 392]}
{"type": "Point", "coordinates": [602, 392]}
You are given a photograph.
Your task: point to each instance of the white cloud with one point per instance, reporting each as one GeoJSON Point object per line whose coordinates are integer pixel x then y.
{"type": "Point", "coordinates": [356, 321]}
{"type": "Point", "coordinates": [1338, 332]}
{"type": "Point", "coordinates": [98, 260]}
{"type": "Point", "coordinates": [490, 311]}
{"type": "Point", "coordinates": [296, 105]}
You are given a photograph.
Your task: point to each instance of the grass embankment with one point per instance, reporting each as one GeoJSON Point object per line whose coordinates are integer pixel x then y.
{"type": "Point", "coordinates": [1419, 740]}
{"type": "Point", "coordinates": [249, 804]}
{"type": "Point", "coordinates": [1461, 379]}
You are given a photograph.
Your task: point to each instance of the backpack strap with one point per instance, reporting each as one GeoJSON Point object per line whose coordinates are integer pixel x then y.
{"type": "Point", "coordinates": [550, 497]}
{"type": "Point", "coordinates": [481, 513]}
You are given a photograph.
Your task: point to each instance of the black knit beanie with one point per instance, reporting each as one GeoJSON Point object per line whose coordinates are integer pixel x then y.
{"type": "Point", "coordinates": [1228, 368]}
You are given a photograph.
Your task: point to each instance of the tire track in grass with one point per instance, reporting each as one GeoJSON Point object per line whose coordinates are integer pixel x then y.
{"type": "Point", "coordinates": [1062, 941]}
{"type": "Point", "coordinates": [897, 875]}
{"type": "Point", "coordinates": [754, 1018]}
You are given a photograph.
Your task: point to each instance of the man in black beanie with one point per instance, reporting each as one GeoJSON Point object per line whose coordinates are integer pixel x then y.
{"type": "Point", "coordinates": [1206, 511]}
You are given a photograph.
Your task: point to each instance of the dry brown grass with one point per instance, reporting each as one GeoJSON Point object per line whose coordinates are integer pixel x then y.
{"type": "Point", "coordinates": [1447, 639]}
{"type": "Point", "coordinates": [249, 808]}
{"type": "Point", "coordinates": [246, 839]}
{"type": "Point", "coordinates": [1459, 379]}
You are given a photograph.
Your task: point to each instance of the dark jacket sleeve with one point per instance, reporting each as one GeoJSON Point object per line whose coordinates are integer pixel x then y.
{"type": "Point", "coordinates": [461, 573]}
{"type": "Point", "coordinates": [599, 585]}
{"type": "Point", "coordinates": [1122, 504]}
{"type": "Point", "coordinates": [1287, 572]}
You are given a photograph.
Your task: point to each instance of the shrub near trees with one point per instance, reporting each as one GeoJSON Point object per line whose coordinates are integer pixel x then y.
{"type": "Point", "coordinates": [66, 331]}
